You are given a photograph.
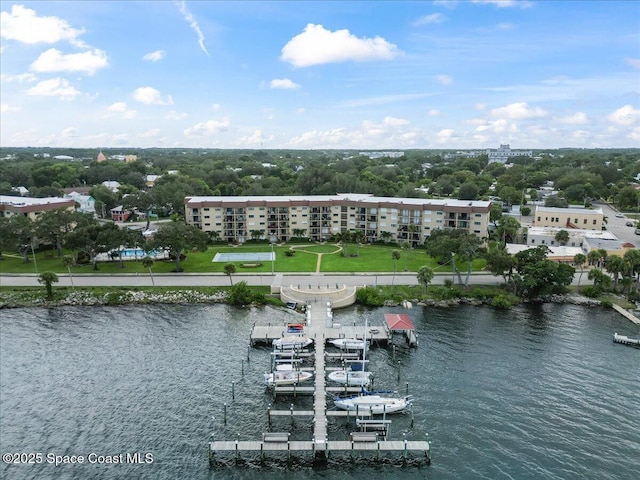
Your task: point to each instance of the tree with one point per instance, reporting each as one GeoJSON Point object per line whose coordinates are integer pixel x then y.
{"type": "Point", "coordinates": [615, 265]}
{"type": "Point", "coordinates": [468, 191]}
{"type": "Point", "coordinates": [357, 236]}
{"type": "Point", "coordinates": [299, 232]}
{"type": "Point", "coordinates": [386, 236]}
{"type": "Point", "coordinates": [176, 237]}
{"type": "Point", "coordinates": [19, 235]}
{"type": "Point", "coordinates": [448, 244]}
{"type": "Point", "coordinates": [94, 239]}
{"type": "Point", "coordinates": [230, 269]}
{"type": "Point", "coordinates": [147, 262]}
{"type": "Point", "coordinates": [405, 247]}
{"type": "Point", "coordinates": [562, 237]}
{"type": "Point", "coordinates": [425, 275]}
{"type": "Point", "coordinates": [632, 259]}
{"type": "Point", "coordinates": [600, 279]}
{"type": "Point", "coordinates": [579, 259]}
{"type": "Point", "coordinates": [539, 275]}
{"type": "Point", "coordinates": [395, 256]}
{"type": "Point", "coordinates": [68, 262]}
{"type": "Point", "coordinates": [48, 278]}
{"type": "Point", "coordinates": [507, 229]}
{"type": "Point", "coordinates": [499, 262]}
{"type": "Point", "coordinates": [142, 201]}
{"type": "Point", "coordinates": [52, 226]}
{"type": "Point", "coordinates": [240, 294]}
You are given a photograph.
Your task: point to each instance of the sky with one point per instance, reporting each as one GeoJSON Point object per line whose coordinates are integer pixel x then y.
{"type": "Point", "coordinates": [442, 74]}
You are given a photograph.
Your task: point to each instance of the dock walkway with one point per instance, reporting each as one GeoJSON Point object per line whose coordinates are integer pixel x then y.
{"type": "Point", "coordinates": [321, 328]}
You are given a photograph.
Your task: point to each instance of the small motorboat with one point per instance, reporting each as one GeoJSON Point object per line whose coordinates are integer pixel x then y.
{"type": "Point", "coordinates": [351, 378]}
{"type": "Point", "coordinates": [286, 375]}
{"type": "Point", "coordinates": [293, 342]}
{"type": "Point", "coordinates": [295, 327]}
{"type": "Point", "coordinates": [349, 343]}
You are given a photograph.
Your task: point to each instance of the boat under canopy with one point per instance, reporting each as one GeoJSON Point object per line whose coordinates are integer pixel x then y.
{"type": "Point", "coordinates": [292, 342]}
{"type": "Point", "coordinates": [370, 403]}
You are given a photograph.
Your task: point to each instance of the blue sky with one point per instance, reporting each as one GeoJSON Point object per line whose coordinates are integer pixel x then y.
{"type": "Point", "coordinates": [303, 74]}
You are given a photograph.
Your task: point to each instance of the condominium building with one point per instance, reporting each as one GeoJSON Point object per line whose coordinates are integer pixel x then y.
{"type": "Point", "coordinates": [583, 218]}
{"type": "Point", "coordinates": [504, 153]}
{"type": "Point", "coordinates": [319, 217]}
{"type": "Point", "coordinates": [32, 207]}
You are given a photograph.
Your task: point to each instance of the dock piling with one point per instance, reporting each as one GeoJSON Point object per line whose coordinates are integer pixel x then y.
{"type": "Point", "coordinates": [225, 413]}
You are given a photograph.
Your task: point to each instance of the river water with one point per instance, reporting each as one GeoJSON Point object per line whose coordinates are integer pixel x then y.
{"type": "Point", "coordinates": [538, 392]}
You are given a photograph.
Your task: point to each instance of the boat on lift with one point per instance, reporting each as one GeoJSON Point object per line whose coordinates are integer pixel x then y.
{"type": "Point", "coordinates": [286, 375]}
{"type": "Point", "coordinates": [352, 378]}
{"type": "Point", "coordinates": [373, 403]}
{"type": "Point", "coordinates": [348, 343]}
{"type": "Point", "coordinates": [292, 342]}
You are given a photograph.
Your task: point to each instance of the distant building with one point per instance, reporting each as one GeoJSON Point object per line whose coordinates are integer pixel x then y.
{"type": "Point", "coordinates": [547, 236]}
{"type": "Point", "coordinates": [151, 180]}
{"type": "Point", "coordinates": [120, 214]}
{"type": "Point", "coordinates": [101, 157]}
{"type": "Point", "coordinates": [504, 153]}
{"type": "Point", "coordinates": [556, 253]}
{"type": "Point", "coordinates": [130, 158]}
{"type": "Point", "coordinates": [584, 218]}
{"type": "Point", "coordinates": [23, 191]}
{"type": "Point", "coordinates": [373, 155]}
{"type": "Point", "coordinates": [87, 203]}
{"type": "Point", "coordinates": [32, 207]}
{"type": "Point", "coordinates": [112, 185]}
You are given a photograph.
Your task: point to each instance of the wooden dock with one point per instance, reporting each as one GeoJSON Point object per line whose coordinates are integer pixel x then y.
{"type": "Point", "coordinates": [371, 441]}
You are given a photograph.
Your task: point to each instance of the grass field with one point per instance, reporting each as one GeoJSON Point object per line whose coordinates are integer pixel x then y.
{"type": "Point", "coordinates": [370, 258]}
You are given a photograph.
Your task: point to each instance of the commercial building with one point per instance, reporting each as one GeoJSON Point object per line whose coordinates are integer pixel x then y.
{"type": "Point", "coordinates": [504, 153]}
{"type": "Point", "coordinates": [319, 217]}
{"type": "Point", "coordinates": [32, 207]}
{"type": "Point", "coordinates": [583, 218]}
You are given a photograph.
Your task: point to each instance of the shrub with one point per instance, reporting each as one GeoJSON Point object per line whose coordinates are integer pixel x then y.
{"type": "Point", "coordinates": [504, 301]}
{"type": "Point", "coordinates": [606, 303]}
{"type": "Point", "coordinates": [591, 291]}
{"type": "Point", "coordinates": [369, 296]}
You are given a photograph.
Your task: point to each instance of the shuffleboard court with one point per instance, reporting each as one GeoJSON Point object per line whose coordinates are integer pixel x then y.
{"type": "Point", "coordinates": [245, 257]}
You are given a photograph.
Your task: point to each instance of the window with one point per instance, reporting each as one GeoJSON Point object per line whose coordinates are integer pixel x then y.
{"type": "Point", "coordinates": [585, 221]}
{"type": "Point", "coordinates": [595, 221]}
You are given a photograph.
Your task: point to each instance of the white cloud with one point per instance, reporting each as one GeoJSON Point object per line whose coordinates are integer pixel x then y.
{"type": "Point", "coordinates": [301, 110]}
{"type": "Point", "coordinates": [6, 108]}
{"type": "Point", "coordinates": [153, 134]}
{"type": "Point", "coordinates": [155, 56]}
{"type": "Point", "coordinates": [215, 107]}
{"type": "Point", "coordinates": [283, 83]}
{"type": "Point", "coordinates": [395, 122]}
{"type": "Point", "coordinates": [505, 3]}
{"type": "Point", "coordinates": [429, 19]}
{"type": "Point", "coordinates": [257, 138]}
{"type": "Point", "coordinates": [151, 96]}
{"type": "Point", "coordinates": [206, 129]}
{"type": "Point", "coordinates": [23, 77]}
{"type": "Point", "coordinates": [316, 46]}
{"type": "Point", "coordinates": [173, 115]}
{"type": "Point", "coordinates": [518, 111]}
{"type": "Point", "coordinates": [625, 116]}
{"type": "Point", "coordinates": [578, 118]}
{"type": "Point", "coordinates": [25, 26]}
{"type": "Point", "coordinates": [444, 79]}
{"type": "Point", "coordinates": [633, 62]}
{"type": "Point", "coordinates": [446, 135]}
{"type": "Point", "coordinates": [481, 106]}
{"type": "Point", "coordinates": [54, 87]}
{"type": "Point", "coordinates": [69, 132]}
{"type": "Point", "coordinates": [119, 107]}
{"type": "Point", "coordinates": [54, 60]}
{"type": "Point", "coordinates": [194, 25]}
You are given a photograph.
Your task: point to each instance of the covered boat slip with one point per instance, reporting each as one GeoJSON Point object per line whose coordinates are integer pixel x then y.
{"type": "Point", "coordinates": [401, 323]}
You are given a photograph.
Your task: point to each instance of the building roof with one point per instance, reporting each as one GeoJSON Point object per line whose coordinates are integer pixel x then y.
{"type": "Point", "coordinates": [570, 210]}
{"type": "Point", "coordinates": [397, 321]}
{"type": "Point", "coordinates": [551, 232]}
{"type": "Point", "coordinates": [554, 251]}
{"type": "Point", "coordinates": [363, 198]}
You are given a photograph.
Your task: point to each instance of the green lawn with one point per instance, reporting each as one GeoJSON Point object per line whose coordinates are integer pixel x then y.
{"type": "Point", "coordinates": [371, 258]}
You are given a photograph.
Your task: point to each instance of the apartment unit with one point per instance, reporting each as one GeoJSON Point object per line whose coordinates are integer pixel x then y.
{"type": "Point", "coordinates": [319, 217]}
{"type": "Point", "coordinates": [583, 218]}
{"type": "Point", "coordinates": [32, 207]}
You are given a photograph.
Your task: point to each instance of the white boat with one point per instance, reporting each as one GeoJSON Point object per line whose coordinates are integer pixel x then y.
{"type": "Point", "coordinates": [352, 378]}
{"type": "Point", "coordinates": [286, 375]}
{"type": "Point", "coordinates": [348, 343]}
{"type": "Point", "coordinates": [292, 342]}
{"type": "Point", "coordinates": [373, 404]}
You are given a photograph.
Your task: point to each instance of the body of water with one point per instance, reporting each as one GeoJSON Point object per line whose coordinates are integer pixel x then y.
{"type": "Point", "coordinates": [532, 393]}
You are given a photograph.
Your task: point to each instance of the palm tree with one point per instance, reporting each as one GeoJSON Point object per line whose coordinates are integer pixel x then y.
{"type": "Point", "coordinates": [230, 269]}
{"type": "Point", "coordinates": [579, 260]}
{"type": "Point", "coordinates": [147, 262]}
{"type": "Point", "coordinates": [395, 256]}
{"type": "Point", "coordinates": [48, 278]}
{"type": "Point", "coordinates": [425, 275]}
{"type": "Point", "coordinates": [593, 256]}
{"type": "Point", "coordinates": [406, 245]}
{"type": "Point", "coordinates": [357, 237]}
{"type": "Point", "coordinates": [413, 228]}
{"type": "Point", "coordinates": [68, 261]}
{"type": "Point", "coordinates": [386, 236]}
{"type": "Point", "coordinates": [615, 265]}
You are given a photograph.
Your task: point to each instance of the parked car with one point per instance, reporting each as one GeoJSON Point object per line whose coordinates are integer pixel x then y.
{"type": "Point", "coordinates": [629, 224]}
{"type": "Point", "coordinates": [637, 232]}
{"type": "Point", "coordinates": [619, 215]}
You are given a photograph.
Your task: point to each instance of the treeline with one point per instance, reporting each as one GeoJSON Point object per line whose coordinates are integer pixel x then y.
{"type": "Point", "coordinates": [580, 176]}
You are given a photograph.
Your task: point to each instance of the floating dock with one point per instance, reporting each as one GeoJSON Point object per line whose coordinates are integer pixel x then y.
{"type": "Point", "coordinates": [371, 435]}
{"type": "Point", "coordinates": [634, 342]}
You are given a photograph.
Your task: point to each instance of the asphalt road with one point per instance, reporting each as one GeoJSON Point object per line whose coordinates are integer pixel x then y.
{"type": "Point", "coordinates": [211, 280]}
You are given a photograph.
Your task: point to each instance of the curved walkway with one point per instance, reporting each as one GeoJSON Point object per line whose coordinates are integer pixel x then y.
{"type": "Point", "coordinates": [319, 254]}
